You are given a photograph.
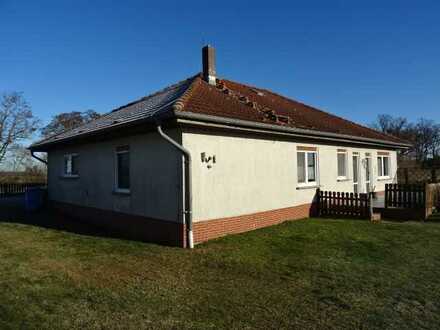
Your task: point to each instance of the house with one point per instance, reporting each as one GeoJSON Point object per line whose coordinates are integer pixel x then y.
{"type": "Point", "coordinates": [207, 157]}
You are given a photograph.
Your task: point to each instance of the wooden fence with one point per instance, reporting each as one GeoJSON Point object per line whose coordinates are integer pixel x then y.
{"type": "Point", "coordinates": [8, 189]}
{"type": "Point", "coordinates": [343, 204]}
{"type": "Point", "coordinates": [418, 200]}
{"type": "Point", "coordinates": [409, 196]}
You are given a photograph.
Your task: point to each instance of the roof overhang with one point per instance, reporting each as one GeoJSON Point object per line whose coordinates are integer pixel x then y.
{"type": "Point", "coordinates": [130, 128]}
{"type": "Point", "coordinates": [185, 117]}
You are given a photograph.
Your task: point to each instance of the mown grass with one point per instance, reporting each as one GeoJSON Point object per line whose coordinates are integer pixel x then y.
{"type": "Point", "coordinates": [304, 274]}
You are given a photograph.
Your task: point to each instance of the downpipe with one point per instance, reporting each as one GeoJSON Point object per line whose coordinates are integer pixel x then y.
{"type": "Point", "coordinates": [188, 185]}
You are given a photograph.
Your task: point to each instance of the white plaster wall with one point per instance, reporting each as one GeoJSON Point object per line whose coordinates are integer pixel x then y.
{"type": "Point", "coordinates": [155, 175]}
{"type": "Point", "coordinates": [254, 174]}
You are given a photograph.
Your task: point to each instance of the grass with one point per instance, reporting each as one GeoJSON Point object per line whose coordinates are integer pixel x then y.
{"type": "Point", "coordinates": [304, 274]}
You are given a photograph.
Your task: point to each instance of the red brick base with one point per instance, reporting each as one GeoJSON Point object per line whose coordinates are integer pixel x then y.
{"type": "Point", "coordinates": [171, 233]}
{"type": "Point", "coordinates": [209, 229]}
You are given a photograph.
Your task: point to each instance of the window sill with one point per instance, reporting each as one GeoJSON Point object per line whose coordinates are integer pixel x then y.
{"type": "Point", "coordinates": [307, 187]}
{"type": "Point", "coordinates": [342, 179]}
{"type": "Point", "coordinates": [121, 192]}
{"type": "Point", "coordinates": [66, 176]}
{"type": "Point", "coordinates": [384, 178]}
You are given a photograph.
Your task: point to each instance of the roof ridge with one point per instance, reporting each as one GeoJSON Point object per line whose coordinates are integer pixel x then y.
{"type": "Point", "coordinates": [180, 103]}
{"type": "Point", "coordinates": [316, 109]}
{"type": "Point", "coordinates": [163, 90]}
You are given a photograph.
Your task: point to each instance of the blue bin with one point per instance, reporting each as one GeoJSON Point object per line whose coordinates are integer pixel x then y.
{"type": "Point", "coordinates": [34, 198]}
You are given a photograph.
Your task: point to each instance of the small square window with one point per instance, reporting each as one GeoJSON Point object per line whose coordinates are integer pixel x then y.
{"type": "Point", "coordinates": [71, 165]}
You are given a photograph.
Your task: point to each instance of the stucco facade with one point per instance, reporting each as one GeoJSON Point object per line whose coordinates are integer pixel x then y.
{"type": "Point", "coordinates": [155, 176]}
{"type": "Point", "coordinates": [240, 182]}
{"type": "Point", "coordinates": [255, 174]}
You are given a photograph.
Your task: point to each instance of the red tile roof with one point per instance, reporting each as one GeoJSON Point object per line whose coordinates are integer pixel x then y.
{"type": "Point", "coordinates": [235, 100]}
{"type": "Point", "coordinates": [228, 99]}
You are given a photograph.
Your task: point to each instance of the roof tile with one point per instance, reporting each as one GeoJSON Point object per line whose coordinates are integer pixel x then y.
{"type": "Point", "coordinates": [227, 99]}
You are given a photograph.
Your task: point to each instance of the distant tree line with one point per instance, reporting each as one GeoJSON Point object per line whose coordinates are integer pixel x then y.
{"type": "Point", "coordinates": [18, 125]}
{"type": "Point", "coordinates": [423, 135]}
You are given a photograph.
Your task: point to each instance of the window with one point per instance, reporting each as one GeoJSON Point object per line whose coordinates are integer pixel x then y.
{"type": "Point", "coordinates": [307, 167]}
{"type": "Point", "coordinates": [383, 166]}
{"type": "Point", "coordinates": [71, 165]}
{"type": "Point", "coordinates": [342, 164]}
{"type": "Point", "coordinates": [123, 169]}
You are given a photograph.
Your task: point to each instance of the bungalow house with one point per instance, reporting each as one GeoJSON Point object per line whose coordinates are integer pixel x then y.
{"type": "Point", "coordinates": [207, 157]}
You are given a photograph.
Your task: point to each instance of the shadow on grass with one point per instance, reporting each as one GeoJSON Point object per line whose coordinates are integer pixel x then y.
{"type": "Point", "coordinates": [12, 210]}
{"type": "Point", "coordinates": [434, 218]}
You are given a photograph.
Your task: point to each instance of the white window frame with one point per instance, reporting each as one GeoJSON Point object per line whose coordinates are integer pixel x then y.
{"type": "Point", "coordinates": [66, 173]}
{"type": "Point", "coordinates": [343, 177]}
{"type": "Point", "coordinates": [307, 183]}
{"type": "Point", "coordinates": [381, 163]}
{"type": "Point", "coordinates": [126, 150]}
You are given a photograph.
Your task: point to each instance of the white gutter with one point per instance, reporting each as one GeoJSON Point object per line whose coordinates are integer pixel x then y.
{"type": "Point", "coordinates": [187, 208]}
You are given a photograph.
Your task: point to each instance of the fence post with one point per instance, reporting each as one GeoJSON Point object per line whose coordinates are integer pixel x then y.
{"type": "Point", "coordinates": [370, 198]}
{"type": "Point", "coordinates": [387, 187]}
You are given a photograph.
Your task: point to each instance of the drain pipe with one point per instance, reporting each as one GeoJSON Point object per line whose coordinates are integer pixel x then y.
{"type": "Point", "coordinates": [188, 186]}
{"type": "Point", "coordinates": [38, 158]}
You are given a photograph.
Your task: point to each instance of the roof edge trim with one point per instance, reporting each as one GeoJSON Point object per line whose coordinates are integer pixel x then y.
{"type": "Point", "coordinates": [296, 131]}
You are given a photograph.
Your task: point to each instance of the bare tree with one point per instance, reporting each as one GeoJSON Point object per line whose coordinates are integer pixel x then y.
{"type": "Point", "coordinates": [427, 138]}
{"type": "Point", "coordinates": [424, 135]}
{"type": "Point", "coordinates": [67, 121]}
{"type": "Point", "coordinates": [18, 158]}
{"type": "Point", "coordinates": [396, 126]}
{"type": "Point", "coordinates": [17, 121]}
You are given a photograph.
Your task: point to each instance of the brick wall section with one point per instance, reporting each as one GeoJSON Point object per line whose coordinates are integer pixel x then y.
{"type": "Point", "coordinates": [209, 229]}
{"type": "Point", "coordinates": [174, 234]}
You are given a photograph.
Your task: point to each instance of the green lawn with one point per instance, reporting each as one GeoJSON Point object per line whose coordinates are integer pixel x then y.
{"type": "Point", "coordinates": [303, 274]}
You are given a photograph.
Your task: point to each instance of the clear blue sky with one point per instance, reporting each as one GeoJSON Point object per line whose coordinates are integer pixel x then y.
{"type": "Point", "coordinates": [353, 58]}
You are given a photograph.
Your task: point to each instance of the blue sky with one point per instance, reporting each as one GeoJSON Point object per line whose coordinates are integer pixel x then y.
{"type": "Point", "coordinates": [353, 58]}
